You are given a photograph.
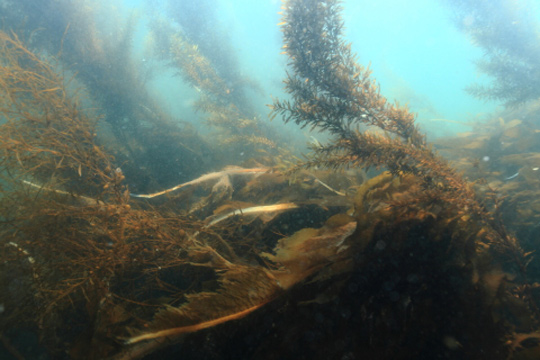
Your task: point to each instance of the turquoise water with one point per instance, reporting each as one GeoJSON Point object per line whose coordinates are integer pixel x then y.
{"type": "Point", "coordinates": [416, 53]}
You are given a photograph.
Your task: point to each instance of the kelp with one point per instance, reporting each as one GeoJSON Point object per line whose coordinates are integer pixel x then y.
{"type": "Point", "coordinates": [333, 93]}
{"type": "Point", "coordinates": [243, 289]}
{"type": "Point", "coordinates": [443, 254]}
{"type": "Point", "coordinates": [80, 243]}
{"type": "Point", "coordinates": [501, 157]}
{"type": "Point", "coordinates": [221, 177]}
{"type": "Point", "coordinates": [94, 41]}
{"type": "Point", "coordinates": [69, 234]}
{"type": "Point", "coordinates": [46, 138]}
{"type": "Point", "coordinates": [411, 204]}
{"type": "Point", "coordinates": [44, 134]}
{"type": "Point", "coordinates": [504, 163]}
{"type": "Point", "coordinates": [221, 98]}
{"type": "Point", "coordinates": [242, 262]}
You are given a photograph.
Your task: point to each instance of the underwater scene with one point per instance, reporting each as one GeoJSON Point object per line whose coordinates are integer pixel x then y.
{"type": "Point", "coordinates": [296, 179]}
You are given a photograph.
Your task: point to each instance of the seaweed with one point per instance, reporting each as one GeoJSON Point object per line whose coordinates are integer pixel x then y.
{"type": "Point", "coordinates": [93, 41]}
{"type": "Point", "coordinates": [507, 33]}
{"type": "Point", "coordinates": [208, 68]}
{"type": "Point", "coordinates": [411, 261]}
{"type": "Point", "coordinates": [332, 93]}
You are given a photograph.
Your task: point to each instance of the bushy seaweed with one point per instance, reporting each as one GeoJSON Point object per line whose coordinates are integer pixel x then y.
{"type": "Point", "coordinates": [412, 261]}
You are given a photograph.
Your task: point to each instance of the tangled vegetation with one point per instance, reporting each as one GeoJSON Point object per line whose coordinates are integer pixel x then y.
{"type": "Point", "coordinates": [317, 259]}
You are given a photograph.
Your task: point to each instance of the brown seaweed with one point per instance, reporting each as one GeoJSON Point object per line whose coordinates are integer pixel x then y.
{"type": "Point", "coordinates": [409, 263]}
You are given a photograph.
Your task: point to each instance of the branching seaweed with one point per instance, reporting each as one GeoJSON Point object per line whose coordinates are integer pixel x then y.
{"type": "Point", "coordinates": [220, 98]}
{"type": "Point", "coordinates": [508, 34]}
{"type": "Point", "coordinates": [98, 272]}
{"type": "Point", "coordinates": [331, 92]}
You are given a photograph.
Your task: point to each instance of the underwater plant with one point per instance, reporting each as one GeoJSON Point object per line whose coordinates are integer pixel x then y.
{"type": "Point", "coordinates": [94, 41]}
{"type": "Point", "coordinates": [507, 33]}
{"type": "Point", "coordinates": [198, 51]}
{"type": "Point", "coordinates": [72, 246]}
{"type": "Point", "coordinates": [421, 203]}
{"type": "Point", "coordinates": [320, 261]}
{"type": "Point", "coordinates": [331, 92]}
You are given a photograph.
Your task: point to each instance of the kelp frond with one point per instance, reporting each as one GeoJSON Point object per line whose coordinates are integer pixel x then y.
{"type": "Point", "coordinates": [243, 290]}
{"type": "Point", "coordinates": [214, 176]}
{"type": "Point", "coordinates": [252, 210]}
